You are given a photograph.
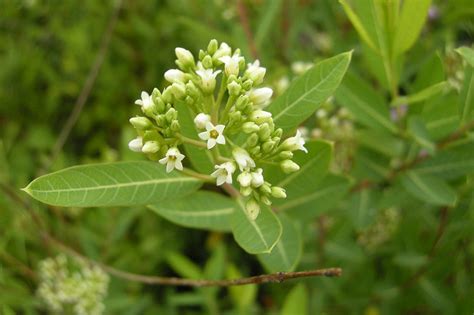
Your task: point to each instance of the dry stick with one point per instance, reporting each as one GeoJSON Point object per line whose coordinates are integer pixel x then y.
{"type": "Point", "coordinates": [87, 87]}
{"type": "Point", "coordinates": [244, 21]}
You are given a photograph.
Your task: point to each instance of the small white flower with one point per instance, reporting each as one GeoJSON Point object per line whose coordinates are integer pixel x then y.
{"type": "Point", "coordinates": [257, 178]}
{"type": "Point", "coordinates": [255, 73]}
{"type": "Point", "coordinates": [243, 159]}
{"type": "Point", "coordinates": [173, 160]}
{"type": "Point", "coordinates": [201, 120]}
{"type": "Point", "coordinates": [136, 144]}
{"type": "Point", "coordinates": [174, 76]}
{"type": "Point", "coordinates": [213, 135]}
{"type": "Point", "coordinates": [223, 173]}
{"type": "Point", "coordinates": [146, 101]}
{"type": "Point", "coordinates": [244, 179]}
{"type": "Point", "coordinates": [224, 50]}
{"type": "Point", "coordinates": [260, 97]}
{"type": "Point", "coordinates": [295, 143]}
{"type": "Point", "coordinates": [208, 79]}
{"type": "Point", "coordinates": [232, 64]}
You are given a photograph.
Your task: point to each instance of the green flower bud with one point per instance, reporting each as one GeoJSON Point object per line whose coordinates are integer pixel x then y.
{"type": "Point", "coordinates": [252, 140]}
{"type": "Point", "coordinates": [235, 117]}
{"type": "Point", "coordinates": [185, 58]}
{"type": "Point", "coordinates": [178, 90]}
{"type": "Point", "coordinates": [151, 135]}
{"type": "Point", "coordinates": [264, 132]}
{"type": "Point", "coordinates": [212, 47]}
{"type": "Point", "coordinates": [167, 95]}
{"type": "Point", "coordinates": [171, 115]}
{"type": "Point", "coordinates": [278, 192]}
{"type": "Point", "coordinates": [286, 155]}
{"type": "Point", "coordinates": [266, 201]}
{"type": "Point", "coordinates": [160, 120]}
{"type": "Point", "coordinates": [252, 208]}
{"type": "Point", "coordinates": [247, 85]}
{"type": "Point", "coordinates": [255, 150]}
{"type": "Point", "coordinates": [268, 146]}
{"type": "Point", "coordinates": [266, 189]}
{"type": "Point", "coordinates": [278, 133]}
{"type": "Point", "coordinates": [207, 62]}
{"type": "Point", "coordinates": [260, 116]}
{"type": "Point", "coordinates": [201, 54]}
{"type": "Point", "coordinates": [175, 125]}
{"type": "Point", "coordinates": [245, 191]}
{"type": "Point", "coordinates": [234, 88]}
{"type": "Point", "coordinates": [160, 105]}
{"type": "Point", "coordinates": [288, 166]}
{"type": "Point", "coordinates": [250, 127]}
{"type": "Point", "coordinates": [189, 100]}
{"type": "Point", "coordinates": [140, 123]}
{"type": "Point", "coordinates": [151, 147]}
{"type": "Point", "coordinates": [242, 102]}
{"type": "Point", "coordinates": [192, 90]}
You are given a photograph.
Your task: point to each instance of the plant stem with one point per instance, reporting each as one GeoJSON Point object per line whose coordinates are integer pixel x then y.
{"type": "Point", "coordinates": [203, 177]}
{"type": "Point", "coordinates": [196, 143]}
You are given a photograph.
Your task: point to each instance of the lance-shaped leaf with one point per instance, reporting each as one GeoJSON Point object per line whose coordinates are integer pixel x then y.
{"type": "Point", "coordinates": [466, 98]}
{"type": "Point", "coordinates": [111, 184]}
{"type": "Point", "coordinates": [287, 252]}
{"type": "Point", "coordinates": [427, 93]}
{"type": "Point", "coordinates": [450, 164]}
{"type": "Point", "coordinates": [412, 19]}
{"type": "Point", "coordinates": [201, 210]}
{"type": "Point", "coordinates": [317, 199]}
{"type": "Point", "coordinates": [259, 235]}
{"type": "Point", "coordinates": [428, 188]}
{"type": "Point", "coordinates": [309, 91]}
{"type": "Point", "coordinates": [467, 53]}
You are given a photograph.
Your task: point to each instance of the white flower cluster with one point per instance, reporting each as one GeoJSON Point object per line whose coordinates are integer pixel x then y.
{"type": "Point", "coordinates": [224, 96]}
{"type": "Point", "coordinates": [71, 286]}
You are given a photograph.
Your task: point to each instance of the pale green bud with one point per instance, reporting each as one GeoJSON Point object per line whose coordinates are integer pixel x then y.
{"type": "Point", "coordinates": [250, 127]}
{"type": "Point", "coordinates": [234, 88]}
{"type": "Point", "coordinates": [140, 123]}
{"type": "Point", "coordinates": [252, 208]}
{"type": "Point", "coordinates": [167, 95]}
{"type": "Point", "coordinates": [207, 62]}
{"type": "Point", "coordinates": [235, 117]}
{"type": "Point", "coordinates": [212, 47]}
{"type": "Point", "coordinates": [266, 201]}
{"type": "Point", "coordinates": [286, 155]}
{"type": "Point", "coordinates": [160, 105]}
{"type": "Point", "coordinates": [175, 125]}
{"type": "Point", "coordinates": [278, 133]}
{"type": "Point", "coordinates": [201, 54]}
{"type": "Point", "coordinates": [278, 192]}
{"type": "Point", "coordinates": [151, 147]}
{"type": "Point", "coordinates": [185, 58]}
{"type": "Point", "coordinates": [178, 90]}
{"type": "Point", "coordinates": [224, 50]}
{"type": "Point", "coordinates": [288, 166]}
{"type": "Point", "coordinates": [175, 75]}
{"type": "Point", "coordinates": [245, 191]}
{"type": "Point", "coordinates": [266, 189]}
{"type": "Point", "coordinates": [252, 140]}
{"type": "Point", "coordinates": [255, 150]}
{"type": "Point", "coordinates": [255, 73]}
{"type": "Point", "coordinates": [171, 115]}
{"type": "Point", "coordinates": [264, 132]}
{"type": "Point", "coordinates": [268, 146]}
{"type": "Point", "coordinates": [247, 85]}
{"type": "Point", "coordinates": [242, 102]}
{"type": "Point", "coordinates": [260, 116]}
{"type": "Point", "coordinates": [192, 90]}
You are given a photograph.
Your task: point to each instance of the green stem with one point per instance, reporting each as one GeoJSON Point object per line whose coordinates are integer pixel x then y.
{"type": "Point", "coordinates": [200, 176]}
{"type": "Point", "coordinates": [228, 105]}
{"type": "Point", "coordinates": [196, 143]}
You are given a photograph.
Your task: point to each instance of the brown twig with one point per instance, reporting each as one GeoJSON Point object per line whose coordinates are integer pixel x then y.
{"type": "Point", "coordinates": [87, 87]}
{"type": "Point", "coordinates": [244, 21]}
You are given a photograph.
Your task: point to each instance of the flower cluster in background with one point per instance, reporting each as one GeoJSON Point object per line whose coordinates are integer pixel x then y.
{"type": "Point", "coordinates": [223, 94]}
{"type": "Point", "coordinates": [71, 286]}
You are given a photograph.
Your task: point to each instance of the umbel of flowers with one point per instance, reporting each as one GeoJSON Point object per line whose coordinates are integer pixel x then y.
{"type": "Point", "coordinates": [225, 97]}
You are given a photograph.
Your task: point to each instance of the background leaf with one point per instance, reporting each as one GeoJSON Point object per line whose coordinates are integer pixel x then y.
{"type": "Point", "coordinates": [296, 302]}
{"type": "Point", "coordinates": [308, 92]}
{"type": "Point", "coordinates": [428, 188]}
{"type": "Point", "coordinates": [412, 18]}
{"type": "Point", "coordinates": [111, 184]}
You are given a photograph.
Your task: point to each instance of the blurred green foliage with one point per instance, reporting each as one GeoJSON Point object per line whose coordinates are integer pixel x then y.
{"type": "Point", "coordinates": [385, 240]}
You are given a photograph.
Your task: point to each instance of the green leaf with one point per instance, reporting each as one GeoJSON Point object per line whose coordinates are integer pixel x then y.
{"type": "Point", "coordinates": [367, 106]}
{"type": "Point", "coordinates": [259, 235]}
{"type": "Point", "coordinates": [309, 91]}
{"type": "Point", "coordinates": [317, 200]}
{"type": "Point", "coordinates": [296, 302]}
{"type": "Point", "coordinates": [111, 184]}
{"type": "Point", "coordinates": [201, 210]}
{"type": "Point", "coordinates": [467, 53]}
{"type": "Point", "coordinates": [266, 21]}
{"type": "Point", "coordinates": [314, 165]}
{"type": "Point", "coordinates": [287, 252]}
{"type": "Point", "coordinates": [382, 142]}
{"type": "Point", "coordinates": [427, 93]}
{"type": "Point", "coordinates": [200, 158]}
{"type": "Point", "coordinates": [412, 18]}
{"type": "Point", "coordinates": [428, 188]}
{"type": "Point", "coordinates": [466, 98]}
{"type": "Point", "coordinates": [242, 296]}
{"type": "Point", "coordinates": [419, 132]}
{"type": "Point", "coordinates": [356, 22]}
{"type": "Point", "coordinates": [450, 164]}
{"type": "Point", "coordinates": [183, 266]}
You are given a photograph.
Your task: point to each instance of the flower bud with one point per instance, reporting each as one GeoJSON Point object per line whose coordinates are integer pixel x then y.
{"type": "Point", "coordinates": [171, 115]}
{"type": "Point", "coordinates": [175, 126]}
{"type": "Point", "coordinates": [212, 47]}
{"type": "Point", "coordinates": [288, 166]}
{"type": "Point", "coordinates": [268, 146]}
{"type": "Point", "coordinates": [201, 120]}
{"type": "Point", "coordinates": [252, 208]}
{"type": "Point", "coordinates": [266, 189]}
{"type": "Point", "coordinates": [140, 123]}
{"type": "Point", "coordinates": [151, 147]}
{"type": "Point", "coordinates": [185, 58]}
{"type": "Point", "coordinates": [245, 191]}
{"type": "Point", "coordinates": [278, 133]}
{"type": "Point", "coordinates": [234, 88]}
{"type": "Point", "coordinates": [278, 192]}
{"type": "Point", "coordinates": [247, 85]}
{"type": "Point", "coordinates": [252, 140]}
{"type": "Point", "coordinates": [264, 132]}
{"type": "Point", "coordinates": [250, 127]}
{"type": "Point", "coordinates": [242, 102]}
{"type": "Point", "coordinates": [207, 62]}
{"type": "Point", "coordinates": [167, 95]}
{"type": "Point", "coordinates": [174, 76]}
{"type": "Point", "coordinates": [266, 201]}
{"type": "Point", "coordinates": [286, 155]}
{"type": "Point", "coordinates": [260, 116]}
{"type": "Point", "coordinates": [136, 144]}
{"type": "Point", "coordinates": [244, 179]}
{"type": "Point", "coordinates": [255, 73]}
{"type": "Point", "coordinates": [224, 50]}
{"type": "Point", "coordinates": [261, 97]}
{"type": "Point", "coordinates": [178, 90]}
{"type": "Point", "coordinates": [257, 178]}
